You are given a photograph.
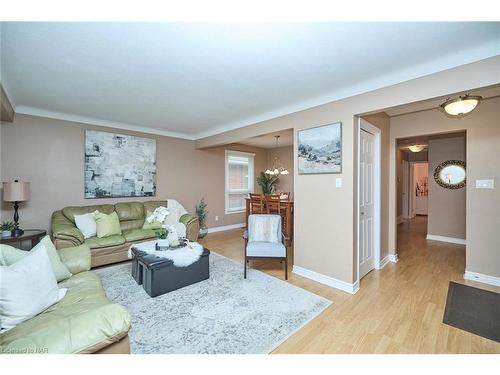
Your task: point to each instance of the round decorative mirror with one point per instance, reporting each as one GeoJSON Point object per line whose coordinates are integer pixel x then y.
{"type": "Point", "coordinates": [451, 174]}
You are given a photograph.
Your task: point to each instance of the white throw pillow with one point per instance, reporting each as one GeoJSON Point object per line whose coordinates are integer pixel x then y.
{"type": "Point", "coordinates": [28, 287]}
{"type": "Point", "coordinates": [86, 224]}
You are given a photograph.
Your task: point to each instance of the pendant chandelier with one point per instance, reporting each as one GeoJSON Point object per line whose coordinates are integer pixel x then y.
{"type": "Point", "coordinates": [277, 167]}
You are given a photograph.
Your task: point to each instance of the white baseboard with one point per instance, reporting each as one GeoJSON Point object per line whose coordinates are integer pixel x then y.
{"type": "Point", "coordinates": [327, 280]}
{"type": "Point", "coordinates": [393, 258]}
{"type": "Point", "coordinates": [458, 241]}
{"type": "Point", "coordinates": [384, 262]}
{"type": "Point", "coordinates": [400, 219]}
{"type": "Point", "coordinates": [226, 227]}
{"type": "Point", "coordinates": [482, 278]}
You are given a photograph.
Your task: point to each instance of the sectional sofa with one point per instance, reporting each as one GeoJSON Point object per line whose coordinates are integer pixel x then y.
{"type": "Point", "coordinates": [84, 321]}
{"type": "Point", "coordinates": [114, 248]}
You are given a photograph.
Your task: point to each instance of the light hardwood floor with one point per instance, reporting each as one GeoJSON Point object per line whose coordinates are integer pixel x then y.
{"type": "Point", "coordinates": [398, 309]}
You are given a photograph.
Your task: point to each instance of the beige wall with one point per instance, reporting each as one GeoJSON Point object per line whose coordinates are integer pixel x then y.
{"type": "Point", "coordinates": [285, 154]}
{"type": "Point", "coordinates": [325, 226]}
{"type": "Point", "coordinates": [483, 162]}
{"type": "Point", "coordinates": [446, 207]}
{"type": "Point", "coordinates": [49, 154]}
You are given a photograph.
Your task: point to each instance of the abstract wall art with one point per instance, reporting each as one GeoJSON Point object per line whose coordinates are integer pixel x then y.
{"type": "Point", "coordinates": [118, 165]}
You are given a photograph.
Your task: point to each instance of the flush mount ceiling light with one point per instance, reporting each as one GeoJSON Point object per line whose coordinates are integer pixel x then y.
{"type": "Point", "coordinates": [416, 148]}
{"type": "Point", "coordinates": [461, 105]}
{"type": "Point", "coordinates": [277, 168]}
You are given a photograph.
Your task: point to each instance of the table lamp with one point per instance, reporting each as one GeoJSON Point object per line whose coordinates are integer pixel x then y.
{"type": "Point", "coordinates": [16, 192]}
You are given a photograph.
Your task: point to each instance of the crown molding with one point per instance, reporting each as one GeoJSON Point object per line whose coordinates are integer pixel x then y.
{"type": "Point", "coordinates": [84, 120]}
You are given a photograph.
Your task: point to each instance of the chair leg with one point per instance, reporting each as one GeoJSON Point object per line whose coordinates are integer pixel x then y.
{"type": "Point", "coordinates": [286, 268]}
{"type": "Point", "coordinates": [245, 268]}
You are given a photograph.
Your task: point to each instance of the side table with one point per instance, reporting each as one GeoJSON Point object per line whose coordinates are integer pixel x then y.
{"type": "Point", "coordinates": [32, 235]}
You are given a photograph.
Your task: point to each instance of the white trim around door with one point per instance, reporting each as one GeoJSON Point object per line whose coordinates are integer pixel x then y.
{"type": "Point", "coordinates": [366, 126]}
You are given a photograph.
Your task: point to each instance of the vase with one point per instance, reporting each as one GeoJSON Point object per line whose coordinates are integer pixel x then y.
{"type": "Point", "coordinates": [203, 231]}
{"type": "Point", "coordinates": [6, 233]}
{"type": "Point", "coordinates": [163, 242]}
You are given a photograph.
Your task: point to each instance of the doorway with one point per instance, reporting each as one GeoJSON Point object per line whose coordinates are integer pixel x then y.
{"type": "Point", "coordinates": [369, 151]}
{"type": "Point", "coordinates": [415, 188]}
{"type": "Point", "coordinates": [428, 210]}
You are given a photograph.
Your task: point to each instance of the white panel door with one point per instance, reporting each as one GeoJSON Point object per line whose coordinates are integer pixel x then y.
{"type": "Point", "coordinates": [366, 203]}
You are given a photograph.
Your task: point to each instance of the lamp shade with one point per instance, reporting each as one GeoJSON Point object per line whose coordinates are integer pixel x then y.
{"type": "Point", "coordinates": [416, 148]}
{"type": "Point", "coordinates": [16, 191]}
{"type": "Point", "coordinates": [461, 105]}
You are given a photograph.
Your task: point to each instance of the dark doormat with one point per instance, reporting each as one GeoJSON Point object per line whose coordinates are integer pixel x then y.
{"type": "Point", "coordinates": [473, 310]}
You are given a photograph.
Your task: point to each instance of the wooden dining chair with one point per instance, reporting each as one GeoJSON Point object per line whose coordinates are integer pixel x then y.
{"type": "Point", "coordinates": [273, 204]}
{"type": "Point", "coordinates": [257, 204]}
{"type": "Point", "coordinates": [285, 195]}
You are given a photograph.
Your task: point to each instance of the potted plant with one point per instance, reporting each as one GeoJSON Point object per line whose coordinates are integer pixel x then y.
{"type": "Point", "coordinates": [162, 236]}
{"type": "Point", "coordinates": [201, 212]}
{"type": "Point", "coordinates": [267, 182]}
{"type": "Point", "coordinates": [7, 227]}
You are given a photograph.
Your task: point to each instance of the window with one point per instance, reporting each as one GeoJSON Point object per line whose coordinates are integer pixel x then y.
{"type": "Point", "coordinates": [239, 179]}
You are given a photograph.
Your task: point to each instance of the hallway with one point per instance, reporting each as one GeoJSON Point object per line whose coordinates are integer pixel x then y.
{"type": "Point", "coordinates": [398, 309]}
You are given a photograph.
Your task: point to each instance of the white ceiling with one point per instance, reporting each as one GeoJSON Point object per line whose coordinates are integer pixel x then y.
{"type": "Point", "coordinates": [269, 140]}
{"type": "Point", "coordinates": [195, 80]}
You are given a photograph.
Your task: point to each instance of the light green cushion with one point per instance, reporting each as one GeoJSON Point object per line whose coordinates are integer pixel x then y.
{"type": "Point", "coordinates": [81, 320]}
{"type": "Point", "coordinates": [76, 258]}
{"type": "Point", "coordinates": [152, 225]}
{"type": "Point", "coordinates": [10, 255]}
{"type": "Point", "coordinates": [60, 270]}
{"type": "Point", "coordinates": [138, 234]}
{"type": "Point", "coordinates": [96, 242]}
{"type": "Point", "coordinates": [107, 225]}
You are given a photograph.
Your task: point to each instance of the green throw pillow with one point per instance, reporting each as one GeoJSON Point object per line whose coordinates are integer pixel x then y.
{"type": "Point", "coordinates": [10, 255]}
{"type": "Point", "coordinates": [107, 225]}
{"type": "Point", "coordinates": [153, 225]}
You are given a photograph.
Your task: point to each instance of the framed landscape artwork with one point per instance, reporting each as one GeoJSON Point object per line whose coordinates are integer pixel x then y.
{"type": "Point", "coordinates": [118, 165]}
{"type": "Point", "coordinates": [320, 149]}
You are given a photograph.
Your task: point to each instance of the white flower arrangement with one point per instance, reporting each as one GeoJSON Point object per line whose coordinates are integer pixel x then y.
{"type": "Point", "coordinates": [159, 214]}
{"type": "Point", "coordinates": [173, 236]}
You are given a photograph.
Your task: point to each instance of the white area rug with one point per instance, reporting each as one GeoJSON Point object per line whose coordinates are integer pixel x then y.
{"type": "Point", "coordinates": [224, 314]}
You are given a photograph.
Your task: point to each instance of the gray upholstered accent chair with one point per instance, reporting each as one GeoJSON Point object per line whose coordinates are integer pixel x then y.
{"type": "Point", "coordinates": [264, 240]}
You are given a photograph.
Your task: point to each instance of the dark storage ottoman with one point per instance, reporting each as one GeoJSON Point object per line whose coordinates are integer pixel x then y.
{"type": "Point", "coordinates": [136, 267]}
{"type": "Point", "coordinates": [160, 276]}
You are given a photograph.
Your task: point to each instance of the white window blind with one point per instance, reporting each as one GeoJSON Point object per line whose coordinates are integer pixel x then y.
{"type": "Point", "coordinates": [239, 179]}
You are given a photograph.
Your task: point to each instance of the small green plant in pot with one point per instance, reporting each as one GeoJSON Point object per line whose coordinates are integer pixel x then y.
{"type": "Point", "coordinates": [201, 212]}
{"type": "Point", "coordinates": [267, 182]}
{"type": "Point", "coordinates": [7, 227]}
{"type": "Point", "coordinates": [162, 236]}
